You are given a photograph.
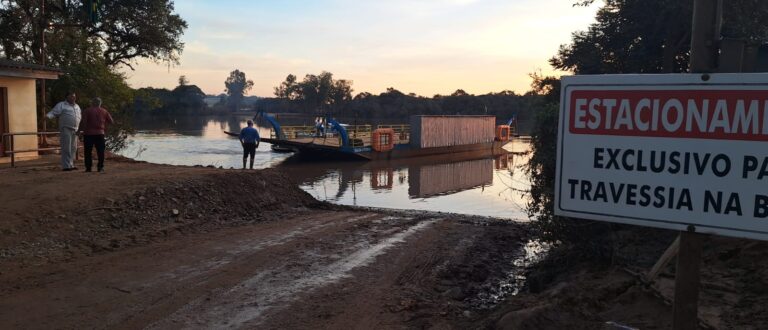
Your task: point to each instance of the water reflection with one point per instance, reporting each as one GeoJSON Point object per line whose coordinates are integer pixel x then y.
{"type": "Point", "coordinates": [203, 126]}
{"type": "Point", "coordinates": [437, 179]}
{"type": "Point", "coordinates": [494, 187]}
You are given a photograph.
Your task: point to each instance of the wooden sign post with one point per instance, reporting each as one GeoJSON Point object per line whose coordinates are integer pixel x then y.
{"type": "Point", "coordinates": [686, 310]}
{"type": "Point", "coordinates": [705, 33]}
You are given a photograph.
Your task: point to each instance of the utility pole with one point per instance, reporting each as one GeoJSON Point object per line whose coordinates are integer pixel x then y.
{"type": "Point", "coordinates": [705, 36]}
{"type": "Point", "coordinates": [43, 105]}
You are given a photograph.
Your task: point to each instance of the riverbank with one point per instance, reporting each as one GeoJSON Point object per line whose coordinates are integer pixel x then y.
{"type": "Point", "coordinates": [160, 246]}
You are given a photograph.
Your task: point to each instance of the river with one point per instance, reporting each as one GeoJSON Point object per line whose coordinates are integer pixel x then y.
{"type": "Point", "coordinates": [494, 187]}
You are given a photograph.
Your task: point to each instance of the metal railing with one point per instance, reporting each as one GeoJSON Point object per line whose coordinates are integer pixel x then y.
{"type": "Point", "coordinates": [359, 135]}
{"type": "Point", "coordinates": [293, 132]}
{"type": "Point", "coordinates": [12, 152]}
{"type": "Point", "coordinates": [402, 132]}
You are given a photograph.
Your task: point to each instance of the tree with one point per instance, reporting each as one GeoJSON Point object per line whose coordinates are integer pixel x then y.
{"type": "Point", "coordinates": [459, 92]}
{"type": "Point", "coordinates": [288, 89]}
{"type": "Point", "coordinates": [187, 99]}
{"type": "Point", "coordinates": [126, 30]}
{"type": "Point", "coordinates": [341, 92]}
{"type": "Point", "coordinates": [392, 92]}
{"type": "Point", "coordinates": [362, 95]}
{"type": "Point", "coordinates": [462, 103]}
{"type": "Point", "coordinates": [182, 100]}
{"type": "Point", "coordinates": [651, 36]}
{"type": "Point", "coordinates": [236, 87]}
{"type": "Point", "coordinates": [316, 91]}
{"type": "Point", "coordinates": [134, 29]}
{"type": "Point", "coordinates": [183, 81]}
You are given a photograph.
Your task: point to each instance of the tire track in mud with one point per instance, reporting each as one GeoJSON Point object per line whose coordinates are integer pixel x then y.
{"type": "Point", "coordinates": [252, 245]}
{"type": "Point", "coordinates": [234, 261]}
{"type": "Point", "coordinates": [153, 281]}
{"type": "Point", "coordinates": [247, 303]}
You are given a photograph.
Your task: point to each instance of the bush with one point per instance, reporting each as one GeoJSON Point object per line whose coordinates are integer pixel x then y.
{"type": "Point", "coordinates": [588, 238]}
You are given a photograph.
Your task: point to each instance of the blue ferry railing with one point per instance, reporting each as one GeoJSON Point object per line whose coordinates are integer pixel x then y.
{"type": "Point", "coordinates": [272, 121]}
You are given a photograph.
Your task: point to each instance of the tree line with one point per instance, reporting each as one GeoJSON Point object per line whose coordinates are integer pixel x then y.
{"type": "Point", "coordinates": [187, 99]}
{"type": "Point", "coordinates": [322, 94]}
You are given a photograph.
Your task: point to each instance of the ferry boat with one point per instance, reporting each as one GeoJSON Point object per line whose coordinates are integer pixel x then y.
{"type": "Point", "coordinates": [467, 136]}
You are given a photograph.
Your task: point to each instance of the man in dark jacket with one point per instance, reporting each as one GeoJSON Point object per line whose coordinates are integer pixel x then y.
{"type": "Point", "coordinates": [249, 138]}
{"type": "Point", "coordinates": [95, 121]}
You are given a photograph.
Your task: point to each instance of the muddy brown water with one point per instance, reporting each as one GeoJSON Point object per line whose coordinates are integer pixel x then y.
{"type": "Point", "coordinates": [494, 187]}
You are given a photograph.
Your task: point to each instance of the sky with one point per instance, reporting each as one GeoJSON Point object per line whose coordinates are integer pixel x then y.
{"type": "Point", "coordinates": [425, 47]}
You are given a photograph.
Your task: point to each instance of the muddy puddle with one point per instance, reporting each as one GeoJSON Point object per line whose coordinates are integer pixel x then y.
{"type": "Point", "coordinates": [496, 290]}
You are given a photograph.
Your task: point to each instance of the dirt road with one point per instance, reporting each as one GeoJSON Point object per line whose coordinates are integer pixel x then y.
{"type": "Point", "coordinates": [328, 269]}
{"type": "Point", "coordinates": [152, 246]}
{"type": "Point", "coordinates": [149, 246]}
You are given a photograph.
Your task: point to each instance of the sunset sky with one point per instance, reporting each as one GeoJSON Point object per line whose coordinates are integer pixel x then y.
{"type": "Point", "coordinates": [422, 46]}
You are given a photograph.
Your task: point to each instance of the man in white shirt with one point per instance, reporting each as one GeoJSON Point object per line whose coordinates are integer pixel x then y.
{"type": "Point", "coordinates": [69, 115]}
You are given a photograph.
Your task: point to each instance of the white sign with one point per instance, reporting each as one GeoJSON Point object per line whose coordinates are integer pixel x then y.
{"type": "Point", "coordinates": [668, 151]}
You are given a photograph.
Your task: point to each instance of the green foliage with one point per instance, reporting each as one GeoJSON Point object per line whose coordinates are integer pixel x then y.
{"type": "Point", "coordinates": [98, 80]}
{"type": "Point", "coordinates": [147, 100]}
{"type": "Point", "coordinates": [188, 97]}
{"type": "Point", "coordinates": [315, 92]}
{"type": "Point", "coordinates": [322, 92]}
{"type": "Point", "coordinates": [182, 100]}
{"type": "Point", "coordinates": [461, 103]}
{"type": "Point", "coordinates": [631, 36]}
{"type": "Point", "coordinates": [126, 30]}
{"type": "Point", "coordinates": [584, 237]}
{"type": "Point", "coordinates": [541, 170]}
{"type": "Point", "coordinates": [340, 92]}
{"type": "Point", "coordinates": [394, 104]}
{"type": "Point", "coordinates": [651, 36]}
{"type": "Point", "coordinates": [547, 87]}
{"type": "Point", "coordinates": [288, 89]}
{"type": "Point", "coordinates": [746, 19]}
{"type": "Point", "coordinates": [139, 29]}
{"type": "Point", "coordinates": [236, 87]}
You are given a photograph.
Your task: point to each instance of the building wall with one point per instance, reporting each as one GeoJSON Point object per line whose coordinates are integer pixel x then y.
{"type": "Point", "coordinates": [21, 110]}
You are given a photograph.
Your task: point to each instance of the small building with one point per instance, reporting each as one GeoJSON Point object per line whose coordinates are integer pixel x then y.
{"type": "Point", "coordinates": [18, 105]}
